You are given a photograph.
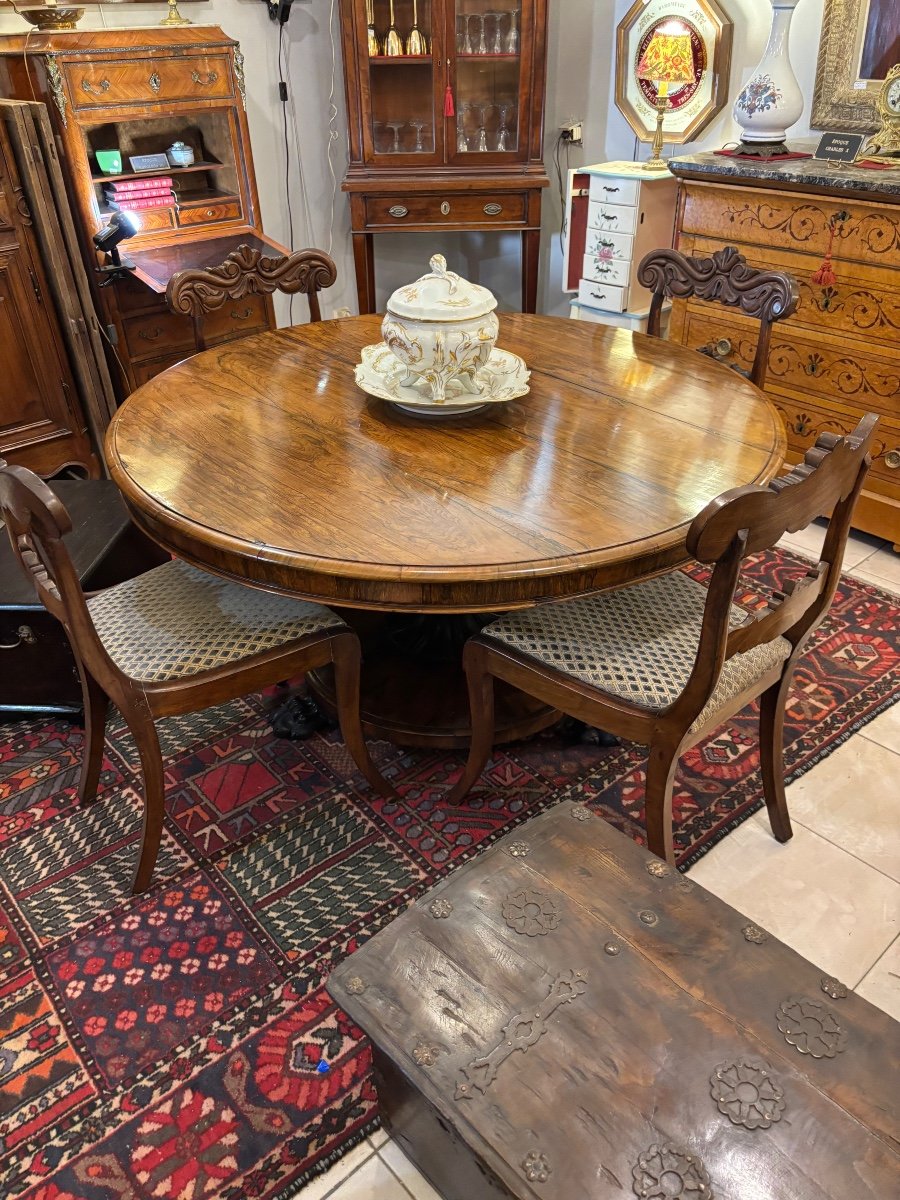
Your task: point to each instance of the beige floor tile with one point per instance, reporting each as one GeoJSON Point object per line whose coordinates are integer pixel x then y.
{"type": "Point", "coordinates": [412, 1178]}
{"type": "Point", "coordinates": [325, 1185]}
{"type": "Point", "coordinates": [833, 909]}
{"type": "Point", "coordinates": [852, 798]}
{"type": "Point", "coordinates": [373, 1181]}
{"type": "Point", "coordinates": [881, 985]}
{"type": "Point", "coordinates": [885, 729]}
{"type": "Point", "coordinates": [378, 1138]}
{"type": "Point", "coordinates": [860, 546]}
{"type": "Point", "coordinates": [881, 568]}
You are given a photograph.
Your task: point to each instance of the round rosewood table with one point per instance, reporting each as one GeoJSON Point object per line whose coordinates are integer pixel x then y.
{"type": "Point", "coordinates": [262, 461]}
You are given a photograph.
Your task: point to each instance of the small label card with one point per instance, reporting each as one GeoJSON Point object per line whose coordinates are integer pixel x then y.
{"type": "Point", "coordinates": [839, 147]}
{"type": "Point", "coordinates": [149, 162]}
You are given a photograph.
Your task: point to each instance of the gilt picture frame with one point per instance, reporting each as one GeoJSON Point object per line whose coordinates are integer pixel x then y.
{"type": "Point", "coordinates": [694, 105]}
{"type": "Point", "coordinates": [844, 97]}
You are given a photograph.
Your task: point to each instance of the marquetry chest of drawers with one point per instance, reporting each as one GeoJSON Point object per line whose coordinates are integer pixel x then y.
{"type": "Point", "coordinates": [617, 212]}
{"type": "Point", "coordinates": [838, 356]}
{"type": "Point", "coordinates": [567, 1017]}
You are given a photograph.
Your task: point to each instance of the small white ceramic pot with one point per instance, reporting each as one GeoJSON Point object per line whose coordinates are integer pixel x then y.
{"type": "Point", "coordinates": [441, 327]}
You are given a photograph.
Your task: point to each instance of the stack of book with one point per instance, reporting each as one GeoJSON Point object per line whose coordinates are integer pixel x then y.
{"type": "Point", "coordinates": [136, 194]}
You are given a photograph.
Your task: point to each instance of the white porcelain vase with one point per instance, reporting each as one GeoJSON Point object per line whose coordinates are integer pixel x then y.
{"type": "Point", "coordinates": [771, 100]}
{"type": "Point", "coordinates": [441, 328]}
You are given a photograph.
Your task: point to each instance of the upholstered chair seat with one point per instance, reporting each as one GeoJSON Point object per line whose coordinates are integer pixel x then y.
{"type": "Point", "coordinates": [175, 621]}
{"type": "Point", "coordinates": [638, 643]}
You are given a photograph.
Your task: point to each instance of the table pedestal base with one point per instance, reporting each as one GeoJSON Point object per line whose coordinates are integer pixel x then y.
{"type": "Point", "coordinates": [414, 688]}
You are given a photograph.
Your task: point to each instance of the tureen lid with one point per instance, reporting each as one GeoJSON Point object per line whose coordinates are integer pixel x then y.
{"type": "Point", "coordinates": [441, 295]}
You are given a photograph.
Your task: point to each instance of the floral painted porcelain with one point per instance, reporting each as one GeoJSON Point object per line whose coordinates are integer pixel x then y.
{"type": "Point", "coordinates": [442, 328]}
{"type": "Point", "coordinates": [771, 100]}
{"type": "Point", "coordinates": [503, 377]}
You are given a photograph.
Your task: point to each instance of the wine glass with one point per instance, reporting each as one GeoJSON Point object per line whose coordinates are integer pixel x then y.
{"type": "Point", "coordinates": [371, 35]}
{"type": "Point", "coordinates": [396, 126]}
{"type": "Point", "coordinates": [463, 44]}
{"type": "Point", "coordinates": [419, 126]}
{"type": "Point", "coordinates": [512, 38]}
{"type": "Point", "coordinates": [506, 110]}
{"type": "Point", "coordinates": [416, 43]}
{"type": "Point", "coordinates": [480, 46]}
{"type": "Point", "coordinates": [481, 143]}
{"type": "Point", "coordinates": [378, 136]}
{"type": "Point", "coordinates": [497, 43]}
{"type": "Point", "coordinates": [462, 140]}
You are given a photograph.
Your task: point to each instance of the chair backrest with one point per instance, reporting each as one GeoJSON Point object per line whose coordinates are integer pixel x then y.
{"type": "Point", "coordinates": [727, 279]}
{"type": "Point", "coordinates": [36, 521]}
{"type": "Point", "coordinates": [749, 519]}
{"type": "Point", "coordinates": [196, 292]}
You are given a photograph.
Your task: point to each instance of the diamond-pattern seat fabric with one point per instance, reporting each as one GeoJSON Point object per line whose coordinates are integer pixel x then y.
{"type": "Point", "coordinates": [637, 643]}
{"type": "Point", "coordinates": [176, 621]}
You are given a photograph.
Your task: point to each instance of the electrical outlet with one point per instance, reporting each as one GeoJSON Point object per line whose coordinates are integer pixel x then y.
{"type": "Point", "coordinates": [573, 133]}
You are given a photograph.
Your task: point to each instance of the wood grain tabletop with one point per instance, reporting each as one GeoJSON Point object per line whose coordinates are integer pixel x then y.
{"type": "Point", "coordinates": [263, 461]}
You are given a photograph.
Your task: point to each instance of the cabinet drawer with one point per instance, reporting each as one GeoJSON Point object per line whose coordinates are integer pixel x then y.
{"type": "Point", "coordinates": [144, 371]}
{"type": "Point", "coordinates": [203, 214]}
{"type": "Point", "coordinates": [148, 80]}
{"type": "Point", "coordinates": [867, 233]}
{"type": "Point", "coordinates": [605, 270]}
{"type": "Point", "coordinates": [508, 208]}
{"type": "Point", "coordinates": [601, 295]}
{"type": "Point", "coordinates": [236, 318]}
{"type": "Point", "coordinates": [614, 191]}
{"type": "Point", "coordinates": [615, 217]}
{"type": "Point", "coordinates": [844, 373]}
{"type": "Point", "coordinates": [154, 332]}
{"type": "Point", "coordinates": [133, 296]}
{"type": "Point", "coordinates": [804, 423]}
{"type": "Point", "coordinates": [621, 244]}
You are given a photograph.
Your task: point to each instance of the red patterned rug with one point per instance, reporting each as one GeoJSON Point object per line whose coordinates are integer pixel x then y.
{"type": "Point", "coordinates": [181, 1046]}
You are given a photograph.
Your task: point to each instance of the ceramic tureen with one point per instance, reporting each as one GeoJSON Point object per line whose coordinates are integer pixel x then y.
{"type": "Point", "coordinates": [441, 328]}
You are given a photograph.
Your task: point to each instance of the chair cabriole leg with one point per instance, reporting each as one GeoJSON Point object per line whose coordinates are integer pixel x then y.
{"type": "Point", "coordinates": [771, 756]}
{"type": "Point", "coordinates": [145, 736]}
{"type": "Point", "coordinates": [96, 704]}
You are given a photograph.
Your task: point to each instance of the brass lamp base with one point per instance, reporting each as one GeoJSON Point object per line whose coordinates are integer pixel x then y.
{"type": "Point", "coordinates": [175, 17]}
{"type": "Point", "coordinates": [656, 162]}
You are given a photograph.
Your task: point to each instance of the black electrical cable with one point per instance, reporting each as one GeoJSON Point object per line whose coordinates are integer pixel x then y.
{"type": "Point", "coordinates": [283, 95]}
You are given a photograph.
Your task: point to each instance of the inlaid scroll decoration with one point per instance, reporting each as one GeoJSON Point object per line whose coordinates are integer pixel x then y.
{"type": "Point", "coordinates": [520, 1033]}
{"type": "Point", "coordinates": [876, 232]}
{"type": "Point", "coordinates": [747, 1093]}
{"type": "Point", "coordinates": [846, 375]}
{"type": "Point", "coordinates": [811, 1027]}
{"type": "Point", "coordinates": [666, 1172]}
{"type": "Point", "coordinates": [863, 309]}
{"type": "Point", "coordinates": [531, 913]}
{"type": "Point", "coordinates": [57, 87]}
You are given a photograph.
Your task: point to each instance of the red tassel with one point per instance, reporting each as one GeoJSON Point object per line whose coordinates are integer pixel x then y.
{"type": "Point", "coordinates": [825, 275]}
{"type": "Point", "coordinates": [449, 110]}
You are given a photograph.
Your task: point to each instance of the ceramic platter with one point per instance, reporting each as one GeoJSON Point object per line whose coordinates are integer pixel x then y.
{"type": "Point", "coordinates": [504, 377]}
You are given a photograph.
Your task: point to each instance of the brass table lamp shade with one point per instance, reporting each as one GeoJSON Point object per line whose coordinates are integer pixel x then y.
{"type": "Point", "coordinates": [667, 59]}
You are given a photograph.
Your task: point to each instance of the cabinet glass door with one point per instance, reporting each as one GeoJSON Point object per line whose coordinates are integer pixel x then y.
{"type": "Point", "coordinates": [404, 105]}
{"type": "Point", "coordinates": [488, 87]}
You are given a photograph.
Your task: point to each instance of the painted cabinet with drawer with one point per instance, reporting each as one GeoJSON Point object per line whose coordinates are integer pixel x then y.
{"type": "Point", "coordinates": [616, 213]}
{"type": "Point", "coordinates": [137, 91]}
{"type": "Point", "coordinates": [838, 356]}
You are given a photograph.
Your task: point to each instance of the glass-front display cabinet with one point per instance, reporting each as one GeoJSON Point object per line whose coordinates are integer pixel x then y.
{"type": "Point", "coordinates": [446, 103]}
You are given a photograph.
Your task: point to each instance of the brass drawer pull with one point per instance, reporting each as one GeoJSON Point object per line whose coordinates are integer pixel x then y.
{"type": "Point", "coordinates": [493, 210]}
{"type": "Point", "coordinates": [398, 211]}
{"type": "Point", "coordinates": [241, 316]}
{"type": "Point", "coordinates": [155, 82]}
{"type": "Point", "coordinates": [445, 208]}
{"type": "Point", "coordinates": [26, 635]}
{"type": "Point", "coordinates": [211, 77]}
{"type": "Point", "coordinates": [87, 86]}
{"type": "Point", "coordinates": [892, 460]}
{"type": "Point", "coordinates": [150, 335]}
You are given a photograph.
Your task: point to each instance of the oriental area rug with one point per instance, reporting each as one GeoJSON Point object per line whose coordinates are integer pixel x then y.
{"type": "Point", "coordinates": [181, 1045]}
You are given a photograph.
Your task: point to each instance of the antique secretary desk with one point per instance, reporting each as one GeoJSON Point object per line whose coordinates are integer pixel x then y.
{"type": "Point", "coordinates": [136, 92]}
{"type": "Point", "coordinates": [446, 110]}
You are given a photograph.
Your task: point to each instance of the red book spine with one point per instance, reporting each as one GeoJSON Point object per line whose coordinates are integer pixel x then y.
{"type": "Point", "coordinates": [160, 183]}
{"type": "Point", "coordinates": [130, 197]}
{"type": "Point", "coordinates": [163, 200]}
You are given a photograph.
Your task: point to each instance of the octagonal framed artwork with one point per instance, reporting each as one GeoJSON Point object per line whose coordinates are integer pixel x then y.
{"type": "Point", "coordinates": [692, 105]}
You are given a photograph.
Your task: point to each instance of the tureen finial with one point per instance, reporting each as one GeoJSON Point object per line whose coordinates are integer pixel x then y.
{"type": "Point", "coordinates": [438, 264]}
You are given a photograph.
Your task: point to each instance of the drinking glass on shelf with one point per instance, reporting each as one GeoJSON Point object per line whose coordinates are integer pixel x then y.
{"type": "Point", "coordinates": [416, 43]}
{"type": "Point", "coordinates": [512, 38]}
{"type": "Point", "coordinates": [463, 44]}
{"type": "Point", "coordinates": [393, 43]}
{"type": "Point", "coordinates": [396, 126]}
{"type": "Point", "coordinates": [462, 140]}
{"type": "Point", "coordinates": [480, 46]}
{"type": "Point", "coordinates": [506, 110]}
{"type": "Point", "coordinates": [378, 136]}
{"type": "Point", "coordinates": [497, 42]}
{"type": "Point", "coordinates": [481, 144]}
{"type": "Point", "coordinates": [419, 127]}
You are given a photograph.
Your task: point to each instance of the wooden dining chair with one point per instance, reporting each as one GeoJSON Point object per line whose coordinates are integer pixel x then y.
{"type": "Point", "coordinates": [665, 661]}
{"type": "Point", "coordinates": [725, 278]}
{"type": "Point", "coordinates": [247, 270]}
{"type": "Point", "coordinates": [169, 642]}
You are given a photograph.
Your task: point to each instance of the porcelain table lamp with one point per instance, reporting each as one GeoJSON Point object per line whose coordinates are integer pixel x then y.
{"type": "Point", "coordinates": [667, 60]}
